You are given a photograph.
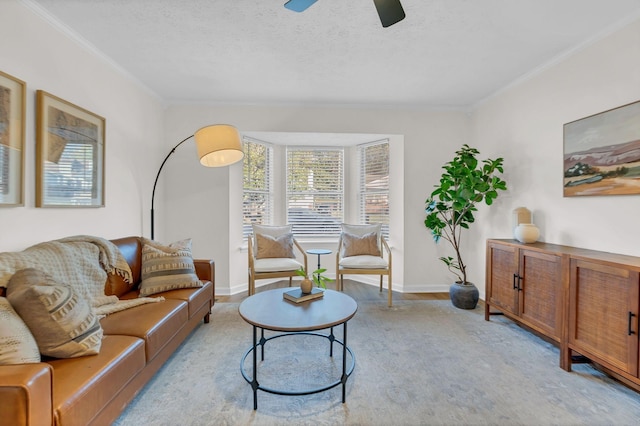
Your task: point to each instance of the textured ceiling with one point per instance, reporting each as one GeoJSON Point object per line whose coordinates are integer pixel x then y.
{"type": "Point", "coordinates": [446, 53]}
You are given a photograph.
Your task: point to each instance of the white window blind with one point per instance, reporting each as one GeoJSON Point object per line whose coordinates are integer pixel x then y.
{"type": "Point", "coordinates": [315, 191]}
{"type": "Point", "coordinates": [257, 193]}
{"type": "Point", "coordinates": [374, 184]}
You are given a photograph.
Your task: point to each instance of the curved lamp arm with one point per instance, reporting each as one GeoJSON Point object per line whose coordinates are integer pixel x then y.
{"type": "Point", "coordinates": [153, 194]}
{"type": "Point", "coordinates": [217, 145]}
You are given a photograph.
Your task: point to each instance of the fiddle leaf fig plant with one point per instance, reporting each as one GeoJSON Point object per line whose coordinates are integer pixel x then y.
{"type": "Point", "coordinates": [450, 208]}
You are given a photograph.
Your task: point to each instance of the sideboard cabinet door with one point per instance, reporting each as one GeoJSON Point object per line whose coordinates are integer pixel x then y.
{"type": "Point", "coordinates": [526, 285]}
{"type": "Point", "coordinates": [540, 296]}
{"type": "Point", "coordinates": [603, 321]}
{"type": "Point", "coordinates": [501, 282]}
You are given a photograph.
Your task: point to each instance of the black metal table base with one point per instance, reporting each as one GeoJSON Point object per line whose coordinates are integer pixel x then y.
{"type": "Point", "coordinates": [253, 381]}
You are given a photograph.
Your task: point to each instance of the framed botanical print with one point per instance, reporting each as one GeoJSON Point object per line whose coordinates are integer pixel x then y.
{"type": "Point", "coordinates": [602, 153]}
{"type": "Point", "coordinates": [69, 154]}
{"type": "Point", "coordinates": [12, 131]}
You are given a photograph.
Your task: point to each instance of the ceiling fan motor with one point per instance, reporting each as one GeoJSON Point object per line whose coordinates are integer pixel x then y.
{"type": "Point", "coordinates": [389, 11]}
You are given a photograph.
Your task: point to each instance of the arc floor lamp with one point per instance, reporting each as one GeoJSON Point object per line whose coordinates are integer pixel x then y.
{"type": "Point", "coordinates": [218, 145]}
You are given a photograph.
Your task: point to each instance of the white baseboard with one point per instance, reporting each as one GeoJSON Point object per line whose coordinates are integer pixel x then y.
{"type": "Point", "coordinates": [372, 281]}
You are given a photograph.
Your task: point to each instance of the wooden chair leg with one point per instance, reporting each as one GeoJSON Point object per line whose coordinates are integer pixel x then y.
{"type": "Point", "coordinates": [390, 292]}
{"type": "Point", "coordinates": [380, 283]}
{"type": "Point", "coordinates": [290, 281]}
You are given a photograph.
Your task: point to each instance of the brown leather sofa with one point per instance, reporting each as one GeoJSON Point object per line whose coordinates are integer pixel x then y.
{"type": "Point", "coordinates": [96, 389]}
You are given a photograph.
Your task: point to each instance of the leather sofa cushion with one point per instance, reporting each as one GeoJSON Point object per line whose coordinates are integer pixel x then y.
{"type": "Point", "coordinates": [195, 297]}
{"type": "Point", "coordinates": [83, 386]}
{"type": "Point", "coordinates": [155, 323]}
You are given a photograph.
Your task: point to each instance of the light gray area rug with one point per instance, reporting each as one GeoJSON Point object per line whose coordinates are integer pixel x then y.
{"type": "Point", "coordinates": [419, 363]}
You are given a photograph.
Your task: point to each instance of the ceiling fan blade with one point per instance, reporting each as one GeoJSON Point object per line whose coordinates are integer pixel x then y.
{"type": "Point", "coordinates": [299, 5]}
{"type": "Point", "coordinates": [390, 11]}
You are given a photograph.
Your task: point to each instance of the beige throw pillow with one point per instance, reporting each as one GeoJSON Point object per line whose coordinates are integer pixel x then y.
{"type": "Point", "coordinates": [354, 245]}
{"type": "Point", "coordinates": [17, 345]}
{"type": "Point", "coordinates": [61, 321]}
{"type": "Point", "coordinates": [274, 247]}
{"type": "Point", "coordinates": [167, 267]}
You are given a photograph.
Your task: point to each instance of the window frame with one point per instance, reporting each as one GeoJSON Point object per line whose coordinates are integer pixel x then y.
{"type": "Point", "coordinates": [267, 192]}
{"type": "Point", "coordinates": [280, 142]}
{"type": "Point", "coordinates": [363, 191]}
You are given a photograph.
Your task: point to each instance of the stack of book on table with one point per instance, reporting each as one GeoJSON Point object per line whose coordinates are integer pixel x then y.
{"type": "Point", "coordinates": [297, 296]}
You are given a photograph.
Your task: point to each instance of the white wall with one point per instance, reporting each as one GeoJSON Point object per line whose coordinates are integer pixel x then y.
{"type": "Point", "coordinates": [200, 203]}
{"type": "Point", "coordinates": [46, 58]}
{"type": "Point", "coordinates": [524, 124]}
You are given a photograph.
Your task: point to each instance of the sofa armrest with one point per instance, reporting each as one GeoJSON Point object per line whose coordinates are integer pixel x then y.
{"type": "Point", "coordinates": [26, 394]}
{"type": "Point", "coordinates": [205, 269]}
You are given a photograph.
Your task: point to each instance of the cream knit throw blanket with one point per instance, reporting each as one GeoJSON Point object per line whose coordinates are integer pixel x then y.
{"type": "Point", "coordinates": [81, 261]}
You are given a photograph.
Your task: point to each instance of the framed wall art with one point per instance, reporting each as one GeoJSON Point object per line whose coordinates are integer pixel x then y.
{"type": "Point", "coordinates": [69, 154]}
{"type": "Point", "coordinates": [602, 153]}
{"type": "Point", "coordinates": [12, 131]}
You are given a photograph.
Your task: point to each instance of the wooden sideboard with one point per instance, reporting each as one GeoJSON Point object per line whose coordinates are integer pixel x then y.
{"type": "Point", "coordinates": [585, 301]}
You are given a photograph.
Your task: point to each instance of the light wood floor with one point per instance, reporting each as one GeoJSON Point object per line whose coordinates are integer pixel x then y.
{"type": "Point", "coordinates": [355, 289]}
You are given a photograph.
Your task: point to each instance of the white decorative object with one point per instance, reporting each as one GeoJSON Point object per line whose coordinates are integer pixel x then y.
{"type": "Point", "coordinates": [521, 215]}
{"type": "Point", "coordinates": [527, 233]}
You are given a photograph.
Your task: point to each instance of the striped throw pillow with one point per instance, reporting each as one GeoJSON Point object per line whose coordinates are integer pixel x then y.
{"type": "Point", "coordinates": [167, 267]}
{"type": "Point", "coordinates": [61, 321]}
{"type": "Point", "coordinates": [17, 345]}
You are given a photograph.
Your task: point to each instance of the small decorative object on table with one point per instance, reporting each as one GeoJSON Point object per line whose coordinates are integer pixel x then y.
{"type": "Point", "coordinates": [521, 215]}
{"type": "Point", "coordinates": [306, 285]}
{"type": "Point", "coordinates": [316, 277]}
{"type": "Point", "coordinates": [527, 233]}
{"type": "Point", "coordinates": [297, 295]}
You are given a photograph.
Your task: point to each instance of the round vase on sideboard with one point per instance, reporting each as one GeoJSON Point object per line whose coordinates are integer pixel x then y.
{"type": "Point", "coordinates": [464, 296]}
{"type": "Point", "coordinates": [527, 233]}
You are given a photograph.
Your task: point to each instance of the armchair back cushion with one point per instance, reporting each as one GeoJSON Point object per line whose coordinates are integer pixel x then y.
{"type": "Point", "coordinates": [274, 239]}
{"type": "Point", "coordinates": [358, 239]}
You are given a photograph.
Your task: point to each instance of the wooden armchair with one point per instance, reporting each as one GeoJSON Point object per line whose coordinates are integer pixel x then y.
{"type": "Point", "coordinates": [361, 250]}
{"type": "Point", "coordinates": [272, 255]}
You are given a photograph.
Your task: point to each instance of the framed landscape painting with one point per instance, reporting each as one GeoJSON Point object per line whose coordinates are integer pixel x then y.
{"type": "Point", "coordinates": [602, 153]}
{"type": "Point", "coordinates": [12, 130]}
{"type": "Point", "coordinates": [69, 154]}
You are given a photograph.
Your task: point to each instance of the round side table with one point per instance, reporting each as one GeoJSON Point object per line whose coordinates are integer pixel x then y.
{"type": "Point", "coordinates": [319, 252]}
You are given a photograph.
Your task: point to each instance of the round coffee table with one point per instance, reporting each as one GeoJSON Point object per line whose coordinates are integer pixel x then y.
{"type": "Point", "coordinates": [268, 310]}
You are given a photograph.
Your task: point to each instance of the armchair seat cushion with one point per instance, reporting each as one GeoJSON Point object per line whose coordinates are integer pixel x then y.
{"type": "Point", "coordinates": [276, 265]}
{"type": "Point", "coordinates": [363, 262]}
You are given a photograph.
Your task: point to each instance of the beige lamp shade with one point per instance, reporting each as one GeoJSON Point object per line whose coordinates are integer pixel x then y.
{"type": "Point", "coordinates": [218, 145]}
